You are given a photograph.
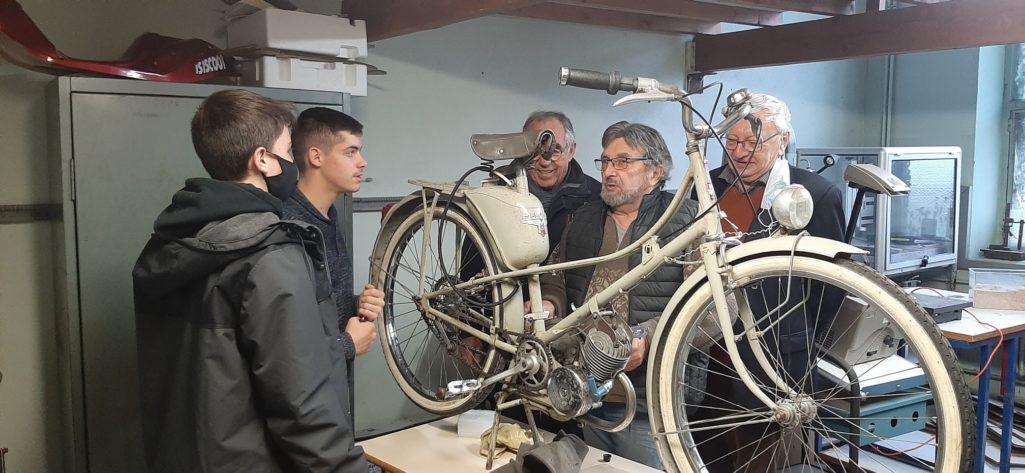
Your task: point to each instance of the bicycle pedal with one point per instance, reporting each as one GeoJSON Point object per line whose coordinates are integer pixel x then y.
{"type": "Point", "coordinates": [461, 386]}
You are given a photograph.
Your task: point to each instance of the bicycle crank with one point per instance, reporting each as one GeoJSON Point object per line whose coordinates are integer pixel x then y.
{"type": "Point", "coordinates": [529, 364]}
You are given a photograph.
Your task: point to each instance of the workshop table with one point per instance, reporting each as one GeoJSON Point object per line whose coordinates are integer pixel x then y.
{"type": "Point", "coordinates": [435, 448]}
{"type": "Point", "coordinates": [967, 333]}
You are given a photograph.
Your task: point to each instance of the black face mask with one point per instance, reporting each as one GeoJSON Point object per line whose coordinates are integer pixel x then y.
{"type": "Point", "coordinates": [283, 185]}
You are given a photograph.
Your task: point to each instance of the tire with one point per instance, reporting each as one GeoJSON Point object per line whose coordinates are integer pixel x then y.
{"type": "Point", "coordinates": [415, 344]}
{"type": "Point", "coordinates": [700, 436]}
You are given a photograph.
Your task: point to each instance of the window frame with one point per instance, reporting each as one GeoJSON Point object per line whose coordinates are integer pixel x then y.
{"type": "Point", "coordinates": [1014, 105]}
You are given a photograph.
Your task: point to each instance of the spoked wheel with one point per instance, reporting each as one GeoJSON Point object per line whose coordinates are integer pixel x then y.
{"type": "Point", "coordinates": [813, 317]}
{"type": "Point", "coordinates": [423, 352]}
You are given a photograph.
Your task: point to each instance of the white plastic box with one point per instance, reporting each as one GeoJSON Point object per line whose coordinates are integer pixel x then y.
{"type": "Point", "coordinates": [301, 32]}
{"type": "Point", "coordinates": [997, 288]}
{"type": "Point", "coordinates": [293, 73]}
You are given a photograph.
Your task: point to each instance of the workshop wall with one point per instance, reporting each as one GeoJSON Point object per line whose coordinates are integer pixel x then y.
{"type": "Point", "coordinates": [956, 98]}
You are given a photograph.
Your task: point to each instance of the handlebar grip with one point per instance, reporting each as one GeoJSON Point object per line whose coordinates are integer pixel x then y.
{"type": "Point", "coordinates": [611, 82]}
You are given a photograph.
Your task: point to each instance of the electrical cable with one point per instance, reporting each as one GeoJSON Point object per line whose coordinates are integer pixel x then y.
{"type": "Point", "coordinates": [984, 368]}
{"type": "Point", "coordinates": [996, 347]}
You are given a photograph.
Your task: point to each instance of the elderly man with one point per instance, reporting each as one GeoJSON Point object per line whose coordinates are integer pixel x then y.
{"type": "Point", "coordinates": [562, 187]}
{"type": "Point", "coordinates": [756, 149]}
{"type": "Point", "coordinates": [758, 156]}
{"type": "Point", "coordinates": [559, 183]}
{"type": "Point", "coordinates": [635, 165]}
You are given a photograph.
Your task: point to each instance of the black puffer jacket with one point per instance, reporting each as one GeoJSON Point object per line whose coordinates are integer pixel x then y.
{"type": "Point", "coordinates": [649, 298]}
{"type": "Point", "coordinates": [578, 190]}
{"type": "Point", "coordinates": [240, 365]}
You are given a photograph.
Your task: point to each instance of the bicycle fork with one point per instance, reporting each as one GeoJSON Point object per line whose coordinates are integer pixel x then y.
{"type": "Point", "coordinates": [718, 270]}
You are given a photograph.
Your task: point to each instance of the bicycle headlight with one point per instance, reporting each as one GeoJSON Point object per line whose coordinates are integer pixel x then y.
{"type": "Point", "coordinates": [793, 207]}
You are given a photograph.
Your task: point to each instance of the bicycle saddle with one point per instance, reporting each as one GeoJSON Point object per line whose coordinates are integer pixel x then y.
{"type": "Point", "coordinates": [508, 146]}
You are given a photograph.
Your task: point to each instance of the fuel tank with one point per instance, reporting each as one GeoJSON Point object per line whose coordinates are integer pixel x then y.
{"type": "Point", "coordinates": [514, 222]}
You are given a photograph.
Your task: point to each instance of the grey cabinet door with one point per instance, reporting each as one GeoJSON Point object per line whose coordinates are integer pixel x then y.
{"type": "Point", "coordinates": [131, 152]}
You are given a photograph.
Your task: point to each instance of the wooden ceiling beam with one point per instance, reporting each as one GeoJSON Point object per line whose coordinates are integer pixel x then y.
{"type": "Point", "coordinates": [390, 18]}
{"type": "Point", "coordinates": [819, 7]}
{"type": "Point", "coordinates": [601, 17]}
{"type": "Point", "coordinates": [686, 9]}
{"type": "Point", "coordinates": [948, 25]}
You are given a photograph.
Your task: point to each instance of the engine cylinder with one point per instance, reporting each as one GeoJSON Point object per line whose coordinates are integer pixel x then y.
{"type": "Point", "coordinates": [604, 354]}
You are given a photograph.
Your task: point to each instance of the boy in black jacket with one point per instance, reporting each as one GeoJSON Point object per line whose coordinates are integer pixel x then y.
{"type": "Point", "coordinates": [240, 358]}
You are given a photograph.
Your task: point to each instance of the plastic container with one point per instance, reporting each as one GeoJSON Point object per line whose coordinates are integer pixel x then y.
{"type": "Point", "coordinates": [301, 32]}
{"type": "Point", "coordinates": [997, 288]}
{"type": "Point", "coordinates": [292, 73]}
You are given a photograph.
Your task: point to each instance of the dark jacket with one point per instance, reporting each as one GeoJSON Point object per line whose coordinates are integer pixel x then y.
{"type": "Point", "coordinates": [649, 298]}
{"type": "Point", "coordinates": [792, 333]}
{"type": "Point", "coordinates": [339, 268]}
{"type": "Point", "coordinates": [578, 190]}
{"type": "Point", "coordinates": [241, 367]}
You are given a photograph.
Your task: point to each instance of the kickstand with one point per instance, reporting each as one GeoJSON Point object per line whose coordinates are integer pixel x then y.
{"type": "Point", "coordinates": [533, 426]}
{"type": "Point", "coordinates": [494, 433]}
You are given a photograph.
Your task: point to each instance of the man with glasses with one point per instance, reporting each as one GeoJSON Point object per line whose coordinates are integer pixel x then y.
{"type": "Point", "coordinates": [756, 148]}
{"type": "Point", "coordinates": [559, 183]}
{"type": "Point", "coordinates": [562, 187]}
{"type": "Point", "coordinates": [635, 165]}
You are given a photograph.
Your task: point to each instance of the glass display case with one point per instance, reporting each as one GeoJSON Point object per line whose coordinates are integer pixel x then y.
{"type": "Point", "coordinates": [904, 233]}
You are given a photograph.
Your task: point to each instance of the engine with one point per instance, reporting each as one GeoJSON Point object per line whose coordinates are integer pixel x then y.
{"type": "Point", "coordinates": [576, 389]}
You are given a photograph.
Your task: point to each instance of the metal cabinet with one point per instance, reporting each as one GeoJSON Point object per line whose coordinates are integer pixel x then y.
{"type": "Point", "coordinates": [906, 233]}
{"type": "Point", "coordinates": [120, 149]}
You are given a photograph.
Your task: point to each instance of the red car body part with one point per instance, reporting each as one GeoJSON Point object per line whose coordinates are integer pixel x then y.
{"type": "Point", "coordinates": [150, 57]}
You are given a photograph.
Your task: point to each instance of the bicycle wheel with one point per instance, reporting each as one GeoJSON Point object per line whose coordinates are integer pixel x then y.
{"type": "Point", "coordinates": [914, 405]}
{"type": "Point", "coordinates": [424, 353]}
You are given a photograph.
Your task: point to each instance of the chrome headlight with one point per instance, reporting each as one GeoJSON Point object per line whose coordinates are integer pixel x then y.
{"type": "Point", "coordinates": [793, 207]}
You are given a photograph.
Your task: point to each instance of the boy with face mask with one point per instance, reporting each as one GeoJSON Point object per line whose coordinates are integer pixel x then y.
{"type": "Point", "coordinates": [240, 355]}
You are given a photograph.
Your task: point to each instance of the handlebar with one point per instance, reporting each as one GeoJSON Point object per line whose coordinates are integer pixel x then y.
{"type": "Point", "coordinates": [650, 90]}
{"type": "Point", "coordinates": [611, 82]}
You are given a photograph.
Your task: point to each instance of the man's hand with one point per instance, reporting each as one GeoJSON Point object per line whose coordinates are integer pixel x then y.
{"type": "Point", "coordinates": [362, 333]}
{"type": "Point", "coordinates": [638, 351]}
{"type": "Point", "coordinates": [371, 302]}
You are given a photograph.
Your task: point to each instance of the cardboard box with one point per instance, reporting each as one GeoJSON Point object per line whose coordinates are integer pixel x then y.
{"type": "Point", "coordinates": [301, 32]}
{"type": "Point", "coordinates": [293, 73]}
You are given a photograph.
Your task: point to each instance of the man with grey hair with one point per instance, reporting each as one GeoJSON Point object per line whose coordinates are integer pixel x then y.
{"type": "Point", "coordinates": [559, 183]}
{"type": "Point", "coordinates": [635, 164]}
{"type": "Point", "coordinates": [756, 149]}
{"type": "Point", "coordinates": [755, 169]}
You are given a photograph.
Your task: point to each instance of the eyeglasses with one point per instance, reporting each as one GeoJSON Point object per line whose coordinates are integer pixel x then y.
{"type": "Point", "coordinates": [618, 163]}
{"type": "Point", "coordinates": [749, 145]}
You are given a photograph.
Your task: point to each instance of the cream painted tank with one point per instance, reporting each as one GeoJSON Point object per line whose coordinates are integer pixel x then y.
{"type": "Point", "coordinates": [516, 222]}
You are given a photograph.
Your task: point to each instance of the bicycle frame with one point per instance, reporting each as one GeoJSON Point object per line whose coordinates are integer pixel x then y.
{"type": "Point", "coordinates": [457, 264]}
{"type": "Point", "coordinates": [715, 259]}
